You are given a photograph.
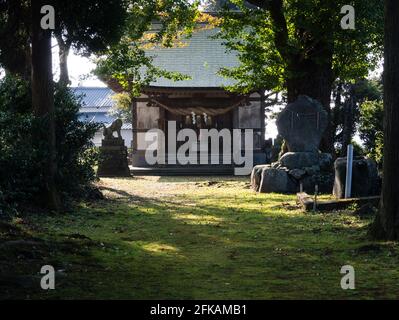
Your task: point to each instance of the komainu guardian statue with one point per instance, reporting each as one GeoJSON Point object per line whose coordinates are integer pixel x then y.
{"type": "Point", "coordinates": [115, 126]}
{"type": "Point", "coordinates": [113, 153]}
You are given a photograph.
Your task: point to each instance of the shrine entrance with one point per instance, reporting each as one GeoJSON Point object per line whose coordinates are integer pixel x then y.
{"type": "Point", "coordinates": [197, 122]}
{"type": "Point", "coordinates": [197, 109]}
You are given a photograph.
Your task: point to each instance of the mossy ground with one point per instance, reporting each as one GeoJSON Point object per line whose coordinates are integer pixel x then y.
{"type": "Point", "coordinates": [194, 238]}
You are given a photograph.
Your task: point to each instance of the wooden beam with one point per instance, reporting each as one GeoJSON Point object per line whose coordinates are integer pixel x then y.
{"type": "Point", "coordinates": [307, 202]}
{"type": "Point", "coordinates": [142, 99]}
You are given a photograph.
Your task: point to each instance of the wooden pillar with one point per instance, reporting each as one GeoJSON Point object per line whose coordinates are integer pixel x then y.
{"type": "Point", "coordinates": [162, 119]}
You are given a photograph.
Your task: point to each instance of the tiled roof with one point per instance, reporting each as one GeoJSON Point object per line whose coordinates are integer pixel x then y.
{"type": "Point", "coordinates": [201, 58]}
{"type": "Point", "coordinates": [95, 97]}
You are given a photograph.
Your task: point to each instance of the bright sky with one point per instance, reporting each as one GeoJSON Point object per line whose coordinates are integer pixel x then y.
{"type": "Point", "coordinates": [79, 69]}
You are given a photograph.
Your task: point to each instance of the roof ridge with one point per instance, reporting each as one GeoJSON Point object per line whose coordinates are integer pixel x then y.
{"type": "Point", "coordinates": [94, 88]}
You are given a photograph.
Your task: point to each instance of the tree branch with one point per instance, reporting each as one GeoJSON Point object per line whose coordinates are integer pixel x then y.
{"type": "Point", "coordinates": [260, 3]}
{"type": "Point", "coordinates": [275, 7]}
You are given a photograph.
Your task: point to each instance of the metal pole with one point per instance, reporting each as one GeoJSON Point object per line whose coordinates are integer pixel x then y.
{"type": "Point", "coordinates": [349, 166]}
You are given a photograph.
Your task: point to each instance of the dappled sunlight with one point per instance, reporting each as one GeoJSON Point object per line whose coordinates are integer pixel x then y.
{"type": "Point", "coordinates": [157, 248]}
{"type": "Point", "coordinates": [146, 208]}
{"type": "Point", "coordinates": [198, 219]}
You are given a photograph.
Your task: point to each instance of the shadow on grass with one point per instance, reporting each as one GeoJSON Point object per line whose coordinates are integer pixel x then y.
{"type": "Point", "coordinates": [161, 248]}
{"type": "Point", "coordinates": [185, 179]}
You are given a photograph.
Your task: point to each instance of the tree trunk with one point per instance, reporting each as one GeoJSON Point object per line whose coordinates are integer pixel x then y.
{"type": "Point", "coordinates": [63, 54]}
{"type": "Point", "coordinates": [309, 72]}
{"type": "Point", "coordinates": [43, 99]}
{"type": "Point", "coordinates": [314, 80]}
{"type": "Point", "coordinates": [386, 224]}
{"type": "Point", "coordinates": [348, 129]}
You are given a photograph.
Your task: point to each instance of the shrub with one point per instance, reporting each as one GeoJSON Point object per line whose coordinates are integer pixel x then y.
{"type": "Point", "coordinates": [76, 154]}
{"type": "Point", "coordinates": [22, 152]}
{"type": "Point", "coordinates": [371, 129]}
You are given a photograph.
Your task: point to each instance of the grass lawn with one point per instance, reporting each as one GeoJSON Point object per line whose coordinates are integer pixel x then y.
{"type": "Point", "coordinates": [194, 238]}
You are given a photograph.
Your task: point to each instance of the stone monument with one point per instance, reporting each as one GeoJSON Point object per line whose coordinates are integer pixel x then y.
{"type": "Point", "coordinates": [113, 153]}
{"type": "Point", "coordinates": [302, 125]}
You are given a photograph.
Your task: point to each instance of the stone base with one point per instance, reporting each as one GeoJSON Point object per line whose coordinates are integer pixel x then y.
{"type": "Point", "coordinates": [293, 170]}
{"type": "Point", "coordinates": [324, 181]}
{"type": "Point", "coordinates": [300, 160]}
{"type": "Point", "coordinates": [276, 180]}
{"type": "Point", "coordinates": [113, 159]}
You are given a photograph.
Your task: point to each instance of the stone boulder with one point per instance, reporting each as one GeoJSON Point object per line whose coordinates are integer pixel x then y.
{"type": "Point", "coordinates": [297, 174]}
{"type": "Point", "coordinates": [302, 124]}
{"type": "Point", "coordinates": [256, 176]}
{"type": "Point", "coordinates": [326, 162]}
{"type": "Point", "coordinates": [365, 179]}
{"type": "Point", "coordinates": [276, 180]}
{"type": "Point", "coordinates": [313, 170]}
{"type": "Point", "coordinates": [299, 160]}
{"type": "Point", "coordinates": [324, 181]}
{"type": "Point", "coordinates": [293, 169]}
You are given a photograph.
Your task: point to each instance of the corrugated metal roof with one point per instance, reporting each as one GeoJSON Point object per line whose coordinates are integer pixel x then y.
{"type": "Point", "coordinates": [97, 98]}
{"type": "Point", "coordinates": [94, 97]}
{"type": "Point", "coordinates": [201, 58]}
{"type": "Point", "coordinates": [99, 117]}
{"type": "Point", "coordinates": [127, 126]}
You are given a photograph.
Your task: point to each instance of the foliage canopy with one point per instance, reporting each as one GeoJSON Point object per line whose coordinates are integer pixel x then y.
{"type": "Point", "coordinates": [274, 36]}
